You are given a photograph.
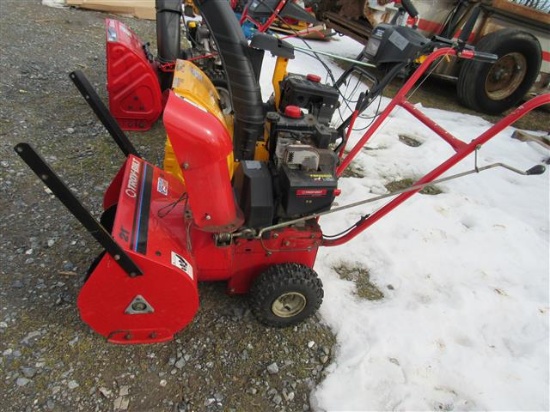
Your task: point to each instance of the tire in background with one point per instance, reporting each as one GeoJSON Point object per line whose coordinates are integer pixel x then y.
{"type": "Point", "coordinates": [495, 88]}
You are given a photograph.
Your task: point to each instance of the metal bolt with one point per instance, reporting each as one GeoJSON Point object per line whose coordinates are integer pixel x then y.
{"type": "Point", "coordinates": [116, 257]}
{"type": "Point", "coordinates": [185, 166]}
{"type": "Point", "coordinates": [208, 217]}
{"type": "Point", "coordinates": [139, 306]}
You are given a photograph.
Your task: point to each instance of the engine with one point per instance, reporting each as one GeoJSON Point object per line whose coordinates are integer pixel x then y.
{"type": "Point", "coordinates": [300, 177]}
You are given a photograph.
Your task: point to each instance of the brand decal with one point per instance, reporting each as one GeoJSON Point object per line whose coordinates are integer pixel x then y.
{"type": "Point", "coordinates": [124, 234]}
{"type": "Point", "coordinates": [311, 192]}
{"type": "Point", "coordinates": [133, 179]}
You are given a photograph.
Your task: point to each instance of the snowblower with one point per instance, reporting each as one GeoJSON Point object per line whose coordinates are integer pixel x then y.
{"type": "Point", "coordinates": [284, 16]}
{"type": "Point", "coordinates": [241, 192]}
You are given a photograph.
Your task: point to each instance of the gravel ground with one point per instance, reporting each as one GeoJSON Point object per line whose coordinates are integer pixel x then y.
{"type": "Point", "coordinates": [49, 359]}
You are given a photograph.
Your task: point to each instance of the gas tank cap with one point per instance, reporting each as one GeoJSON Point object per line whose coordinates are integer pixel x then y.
{"type": "Point", "coordinates": [293, 112]}
{"type": "Point", "coordinates": [315, 78]}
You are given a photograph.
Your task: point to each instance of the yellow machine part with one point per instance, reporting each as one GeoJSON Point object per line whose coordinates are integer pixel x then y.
{"type": "Point", "coordinates": [279, 74]}
{"type": "Point", "coordinates": [192, 84]}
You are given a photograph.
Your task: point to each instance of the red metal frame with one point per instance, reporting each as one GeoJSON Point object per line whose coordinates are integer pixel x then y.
{"type": "Point", "coordinates": [461, 148]}
{"type": "Point", "coordinates": [262, 27]}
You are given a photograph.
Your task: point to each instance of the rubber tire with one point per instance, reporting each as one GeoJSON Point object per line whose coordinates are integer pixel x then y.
{"type": "Point", "coordinates": [281, 279]}
{"type": "Point", "coordinates": [93, 265]}
{"type": "Point", "coordinates": [473, 74]}
{"type": "Point", "coordinates": [223, 90]}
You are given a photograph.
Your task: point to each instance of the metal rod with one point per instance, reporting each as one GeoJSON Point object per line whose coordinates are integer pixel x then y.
{"type": "Point", "coordinates": [335, 56]}
{"type": "Point", "coordinates": [387, 195]}
{"type": "Point", "coordinates": [41, 168]}
{"type": "Point", "coordinates": [102, 113]}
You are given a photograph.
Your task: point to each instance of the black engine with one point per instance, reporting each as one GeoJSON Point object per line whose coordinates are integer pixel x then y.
{"type": "Point", "coordinates": [300, 177]}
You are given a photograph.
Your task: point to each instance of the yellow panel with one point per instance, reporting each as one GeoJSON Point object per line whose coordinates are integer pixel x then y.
{"type": "Point", "coordinates": [192, 84]}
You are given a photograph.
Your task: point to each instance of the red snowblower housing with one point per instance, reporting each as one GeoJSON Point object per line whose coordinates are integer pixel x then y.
{"type": "Point", "coordinates": [242, 190]}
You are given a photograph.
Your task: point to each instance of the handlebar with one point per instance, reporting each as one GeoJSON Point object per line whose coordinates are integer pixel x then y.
{"type": "Point", "coordinates": [469, 26]}
{"type": "Point", "coordinates": [409, 8]}
{"type": "Point", "coordinates": [480, 56]}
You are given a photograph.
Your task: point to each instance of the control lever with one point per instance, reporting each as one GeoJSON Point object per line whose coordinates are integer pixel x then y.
{"type": "Point", "coordinates": [536, 170]}
{"type": "Point", "coordinates": [485, 57]}
{"type": "Point", "coordinates": [409, 8]}
{"type": "Point", "coordinates": [468, 27]}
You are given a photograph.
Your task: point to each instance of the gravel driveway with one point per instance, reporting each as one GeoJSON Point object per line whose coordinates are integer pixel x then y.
{"type": "Point", "coordinates": [49, 359]}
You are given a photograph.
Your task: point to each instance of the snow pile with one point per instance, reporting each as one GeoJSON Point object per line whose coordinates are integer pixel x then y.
{"type": "Point", "coordinates": [463, 324]}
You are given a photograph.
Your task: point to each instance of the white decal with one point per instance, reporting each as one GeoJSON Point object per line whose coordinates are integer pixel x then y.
{"type": "Point", "coordinates": [133, 179]}
{"type": "Point", "coordinates": [162, 186]}
{"type": "Point", "coordinates": [179, 262]}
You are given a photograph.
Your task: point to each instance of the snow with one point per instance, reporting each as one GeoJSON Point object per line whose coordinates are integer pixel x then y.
{"type": "Point", "coordinates": [464, 321]}
{"type": "Point", "coordinates": [54, 3]}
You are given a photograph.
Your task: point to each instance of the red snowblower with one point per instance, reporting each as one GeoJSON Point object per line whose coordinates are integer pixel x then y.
{"type": "Point", "coordinates": [243, 183]}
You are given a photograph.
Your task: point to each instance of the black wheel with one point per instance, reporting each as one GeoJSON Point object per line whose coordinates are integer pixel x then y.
{"type": "Point", "coordinates": [494, 88]}
{"type": "Point", "coordinates": [285, 295]}
{"type": "Point", "coordinates": [93, 265]}
{"type": "Point", "coordinates": [222, 87]}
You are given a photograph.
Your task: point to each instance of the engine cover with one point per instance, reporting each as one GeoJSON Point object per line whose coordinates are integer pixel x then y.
{"type": "Point", "coordinates": [305, 192]}
{"type": "Point", "coordinates": [254, 190]}
{"type": "Point", "coordinates": [307, 92]}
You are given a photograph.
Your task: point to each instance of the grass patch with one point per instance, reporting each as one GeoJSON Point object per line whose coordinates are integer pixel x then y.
{"type": "Point", "coordinates": [353, 171]}
{"type": "Point", "coordinates": [405, 183]}
{"type": "Point", "coordinates": [364, 288]}
{"type": "Point", "coordinates": [409, 141]}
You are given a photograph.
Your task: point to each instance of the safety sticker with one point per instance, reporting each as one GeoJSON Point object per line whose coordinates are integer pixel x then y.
{"type": "Point", "coordinates": [162, 186]}
{"type": "Point", "coordinates": [180, 262]}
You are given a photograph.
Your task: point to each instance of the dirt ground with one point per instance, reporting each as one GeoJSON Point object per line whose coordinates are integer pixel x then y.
{"type": "Point", "coordinates": [49, 359]}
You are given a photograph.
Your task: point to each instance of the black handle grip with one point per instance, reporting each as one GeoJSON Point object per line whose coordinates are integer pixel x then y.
{"type": "Point", "coordinates": [485, 57]}
{"type": "Point", "coordinates": [536, 170]}
{"type": "Point", "coordinates": [469, 25]}
{"type": "Point", "coordinates": [409, 8]}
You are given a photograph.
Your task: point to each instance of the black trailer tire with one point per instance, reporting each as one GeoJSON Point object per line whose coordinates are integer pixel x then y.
{"type": "Point", "coordinates": [285, 295]}
{"type": "Point", "coordinates": [495, 88]}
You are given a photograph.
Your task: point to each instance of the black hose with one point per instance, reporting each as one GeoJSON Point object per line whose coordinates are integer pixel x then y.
{"type": "Point", "coordinates": [246, 96]}
{"type": "Point", "coordinates": [168, 37]}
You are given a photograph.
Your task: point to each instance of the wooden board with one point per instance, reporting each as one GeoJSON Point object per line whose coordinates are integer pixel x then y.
{"type": "Point", "coordinates": [142, 9]}
{"type": "Point", "coordinates": [524, 11]}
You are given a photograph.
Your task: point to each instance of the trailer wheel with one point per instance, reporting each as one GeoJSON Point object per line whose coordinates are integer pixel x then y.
{"type": "Point", "coordinates": [494, 88]}
{"type": "Point", "coordinates": [285, 295]}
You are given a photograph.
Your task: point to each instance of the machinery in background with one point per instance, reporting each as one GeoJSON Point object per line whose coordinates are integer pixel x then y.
{"type": "Point", "coordinates": [517, 32]}
{"type": "Point", "coordinates": [242, 188]}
